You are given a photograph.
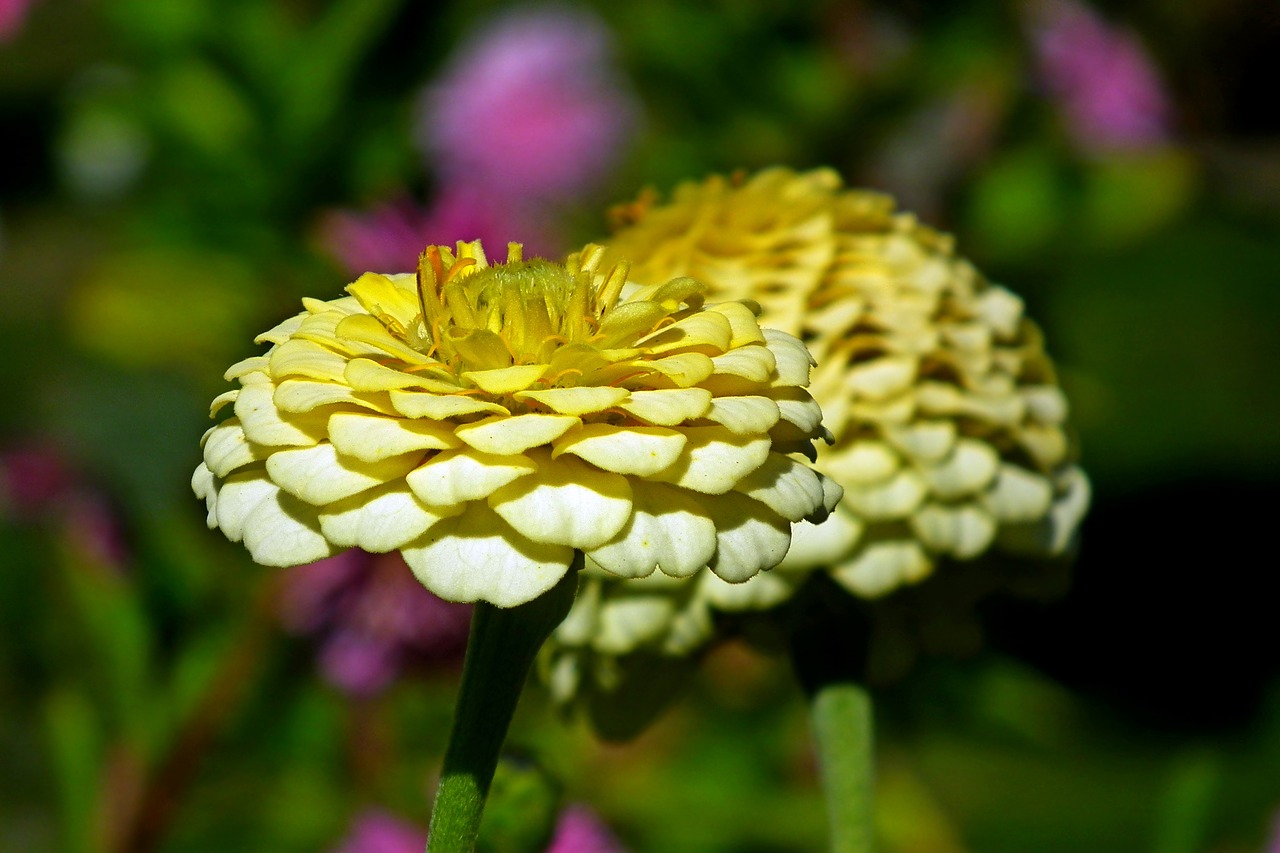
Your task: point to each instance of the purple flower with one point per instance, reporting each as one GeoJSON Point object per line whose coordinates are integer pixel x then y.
{"type": "Point", "coordinates": [372, 617]}
{"type": "Point", "coordinates": [390, 237]}
{"type": "Point", "coordinates": [580, 831]}
{"type": "Point", "coordinates": [531, 107]}
{"type": "Point", "coordinates": [1102, 78]}
{"type": "Point", "coordinates": [13, 14]}
{"type": "Point", "coordinates": [377, 832]}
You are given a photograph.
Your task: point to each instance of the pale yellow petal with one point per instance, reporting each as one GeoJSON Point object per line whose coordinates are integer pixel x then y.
{"type": "Point", "coordinates": [238, 498]}
{"type": "Point", "coordinates": [823, 545]}
{"type": "Point", "coordinates": [743, 326]}
{"type": "Point", "coordinates": [304, 395]}
{"type": "Point", "coordinates": [714, 460]}
{"type": "Point", "coordinates": [789, 488]}
{"type": "Point", "coordinates": [567, 503]}
{"type": "Point", "coordinates": [507, 435]}
{"type": "Point", "coordinates": [269, 426]}
{"type": "Point", "coordinates": [754, 363]}
{"type": "Point", "coordinates": [321, 475]}
{"type": "Point", "coordinates": [1018, 495]}
{"type": "Point", "coordinates": [791, 360]}
{"type": "Point", "coordinates": [308, 360]}
{"type": "Point", "coordinates": [438, 407]}
{"type": "Point", "coordinates": [226, 448]}
{"type": "Point", "coordinates": [252, 364]}
{"type": "Point", "coordinates": [381, 519]}
{"type": "Point", "coordinates": [624, 450]}
{"type": "Point", "coordinates": [282, 331]}
{"type": "Point", "coordinates": [371, 438]}
{"type": "Point", "coordinates": [881, 567]}
{"type": "Point", "coordinates": [457, 476]}
{"type": "Point", "coordinates": [758, 592]}
{"type": "Point", "coordinates": [894, 498]}
{"type": "Point", "coordinates": [970, 467]}
{"type": "Point", "coordinates": [861, 462]}
{"type": "Point", "coordinates": [380, 296]}
{"type": "Point", "coordinates": [669, 529]}
{"type": "Point", "coordinates": [476, 557]}
{"type": "Point", "coordinates": [283, 531]}
{"type": "Point", "coordinates": [747, 415]}
{"type": "Point", "coordinates": [685, 369]}
{"type": "Point", "coordinates": [963, 531]}
{"type": "Point", "coordinates": [576, 401]}
{"type": "Point", "coordinates": [750, 537]}
{"type": "Point", "coordinates": [883, 377]}
{"type": "Point", "coordinates": [364, 374]}
{"type": "Point", "coordinates": [923, 441]}
{"type": "Point", "coordinates": [363, 334]}
{"type": "Point", "coordinates": [668, 407]}
{"type": "Point", "coordinates": [222, 400]}
{"type": "Point", "coordinates": [506, 380]}
{"type": "Point", "coordinates": [703, 329]}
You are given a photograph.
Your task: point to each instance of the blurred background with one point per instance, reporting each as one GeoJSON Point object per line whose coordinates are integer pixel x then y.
{"type": "Point", "coordinates": [177, 175]}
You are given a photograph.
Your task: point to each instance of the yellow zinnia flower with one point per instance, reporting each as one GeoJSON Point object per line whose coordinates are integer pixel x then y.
{"type": "Point", "coordinates": [949, 426]}
{"type": "Point", "coordinates": [488, 421]}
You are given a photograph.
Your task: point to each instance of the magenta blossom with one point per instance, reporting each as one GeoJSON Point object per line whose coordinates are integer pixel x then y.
{"type": "Point", "coordinates": [531, 106]}
{"type": "Point", "coordinates": [389, 238]}
{"type": "Point", "coordinates": [372, 617]}
{"type": "Point", "coordinates": [1101, 77]}
{"type": "Point", "coordinates": [577, 831]}
{"type": "Point", "coordinates": [13, 14]}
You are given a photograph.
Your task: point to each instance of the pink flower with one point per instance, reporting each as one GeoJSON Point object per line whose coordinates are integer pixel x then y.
{"type": "Point", "coordinates": [372, 617]}
{"type": "Point", "coordinates": [580, 831]}
{"type": "Point", "coordinates": [531, 106]}
{"type": "Point", "coordinates": [13, 14]}
{"type": "Point", "coordinates": [1102, 78]}
{"type": "Point", "coordinates": [377, 832]}
{"type": "Point", "coordinates": [390, 237]}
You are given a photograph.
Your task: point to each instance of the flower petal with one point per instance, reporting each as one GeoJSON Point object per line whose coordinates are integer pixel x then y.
{"type": "Point", "coordinates": [894, 498]}
{"type": "Point", "coordinates": [714, 460]}
{"type": "Point", "coordinates": [297, 357]}
{"type": "Point", "coordinates": [568, 503]}
{"type": "Point", "coordinates": [970, 467]}
{"type": "Point", "coordinates": [684, 370]}
{"type": "Point", "coordinates": [624, 450]}
{"type": "Point", "coordinates": [822, 545]}
{"type": "Point", "coordinates": [758, 592]}
{"type": "Point", "coordinates": [753, 363]}
{"type": "Point", "coordinates": [750, 537]}
{"type": "Point", "coordinates": [381, 519]}
{"type": "Point", "coordinates": [789, 488]}
{"type": "Point", "coordinates": [669, 529]}
{"type": "Point", "coordinates": [267, 425]}
{"type": "Point", "coordinates": [506, 435]}
{"type": "Point", "coordinates": [476, 557]}
{"type": "Point", "coordinates": [576, 401]}
{"type": "Point", "coordinates": [881, 567]}
{"type": "Point", "coordinates": [365, 374]}
{"type": "Point", "coordinates": [371, 438]}
{"type": "Point", "coordinates": [746, 415]}
{"type": "Point", "coordinates": [304, 395]}
{"type": "Point", "coordinates": [321, 475]}
{"type": "Point", "coordinates": [743, 326]}
{"type": "Point", "coordinates": [226, 448]}
{"type": "Point", "coordinates": [792, 361]}
{"type": "Point", "coordinates": [668, 407]}
{"type": "Point", "coordinates": [238, 497]}
{"type": "Point", "coordinates": [438, 407]}
{"type": "Point", "coordinates": [283, 531]}
{"type": "Point", "coordinates": [963, 531]}
{"type": "Point", "coordinates": [458, 476]}
{"type": "Point", "coordinates": [506, 380]}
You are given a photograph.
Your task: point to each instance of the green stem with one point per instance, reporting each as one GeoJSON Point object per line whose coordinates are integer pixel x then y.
{"type": "Point", "coordinates": [840, 713]}
{"type": "Point", "coordinates": [829, 645]}
{"type": "Point", "coordinates": [500, 652]}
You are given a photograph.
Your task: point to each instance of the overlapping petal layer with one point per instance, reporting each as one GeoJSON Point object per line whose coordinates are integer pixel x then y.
{"type": "Point", "coordinates": [489, 420]}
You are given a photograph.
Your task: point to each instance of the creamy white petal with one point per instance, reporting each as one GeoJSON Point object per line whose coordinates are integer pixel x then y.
{"type": "Point", "coordinates": [963, 531]}
{"type": "Point", "coordinates": [381, 519]}
{"type": "Point", "coordinates": [669, 529]}
{"type": "Point", "coordinates": [792, 361]}
{"type": "Point", "coordinates": [822, 545]}
{"type": "Point", "coordinates": [789, 488]}
{"type": "Point", "coordinates": [568, 503]}
{"type": "Point", "coordinates": [321, 475]}
{"type": "Point", "coordinates": [238, 497]}
{"type": "Point", "coordinates": [577, 401]}
{"type": "Point", "coordinates": [226, 448]}
{"type": "Point", "coordinates": [205, 486]}
{"type": "Point", "coordinates": [759, 592]}
{"type": "Point", "coordinates": [714, 460]}
{"type": "Point", "coordinates": [624, 450]}
{"type": "Point", "coordinates": [1018, 495]}
{"type": "Point", "coordinates": [630, 622]}
{"type": "Point", "coordinates": [800, 409]}
{"type": "Point", "coordinates": [893, 498]}
{"type": "Point", "coordinates": [750, 537]}
{"type": "Point", "coordinates": [861, 462]}
{"type": "Point", "coordinates": [438, 407]}
{"type": "Point", "coordinates": [668, 407]}
{"type": "Point", "coordinates": [458, 476]}
{"type": "Point", "coordinates": [476, 557]}
{"type": "Point", "coordinates": [744, 415]}
{"type": "Point", "coordinates": [970, 467]}
{"type": "Point", "coordinates": [507, 435]}
{"type": "Point", "coordinates": [881, 567]}
{"type": "Point", "coordinates": [267, 425]}
{"type": "Point", "coordinates": [882, 378]}
{"type": "Point", "coordinates": [371, 438]}
{"type": "Point", "coordinates": [284, 531]}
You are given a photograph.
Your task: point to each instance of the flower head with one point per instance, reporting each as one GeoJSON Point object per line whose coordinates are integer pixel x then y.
{"type": "Point", "coordinates": [487, 421]}
{"type": "Point", "coordinates": [949, 427]}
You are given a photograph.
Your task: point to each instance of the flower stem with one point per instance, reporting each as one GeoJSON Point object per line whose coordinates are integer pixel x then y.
{"type": "Point", "coordinates": [829, 646]}
{"type": "Point", "coordinates": [500, 652]}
